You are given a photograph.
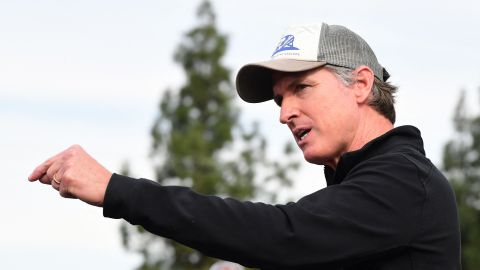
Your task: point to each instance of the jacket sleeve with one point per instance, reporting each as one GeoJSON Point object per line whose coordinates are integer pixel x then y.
{"type": "Point", "coordinates": [373, 211]}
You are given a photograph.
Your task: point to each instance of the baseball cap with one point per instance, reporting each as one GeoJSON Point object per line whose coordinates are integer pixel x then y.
{"type": "Point", "coordinates": [304, 47]}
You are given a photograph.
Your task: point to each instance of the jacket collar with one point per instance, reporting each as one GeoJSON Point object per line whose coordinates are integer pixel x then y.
{"type": "Point", "coordinates": [395, 140]}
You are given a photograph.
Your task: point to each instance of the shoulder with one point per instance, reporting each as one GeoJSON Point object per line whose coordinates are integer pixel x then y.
{"type": "Point", "coordinates": [396, 166]}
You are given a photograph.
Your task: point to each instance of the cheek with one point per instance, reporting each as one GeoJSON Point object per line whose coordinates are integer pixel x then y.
{"type": "Point", "coordinates": [344, 107]}
{"type": "Point", "coordinates": [332, 110]}
{"type": "Point", "coordinates": [335, 119]}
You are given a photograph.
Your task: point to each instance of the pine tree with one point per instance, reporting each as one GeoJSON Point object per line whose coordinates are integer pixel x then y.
{"type": "Point", "coordinates": [198, 142]}
{"type": "Point", "coordinates": [461, 162]}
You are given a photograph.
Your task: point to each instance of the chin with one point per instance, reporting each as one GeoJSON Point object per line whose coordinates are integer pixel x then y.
{"type": "Point", "coordinates": [318, 157]}
{"type": "Point", "coordinates": [314, 159]}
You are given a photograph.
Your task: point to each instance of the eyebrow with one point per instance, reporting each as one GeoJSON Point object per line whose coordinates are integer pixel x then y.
{"type": "Point", "coordinates": [295, 83]}
{"type": "Point", "coordinates": [278, 98]}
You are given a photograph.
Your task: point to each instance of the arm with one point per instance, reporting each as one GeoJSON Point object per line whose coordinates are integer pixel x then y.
{"type": "Point", "coordinates": [373, 211]}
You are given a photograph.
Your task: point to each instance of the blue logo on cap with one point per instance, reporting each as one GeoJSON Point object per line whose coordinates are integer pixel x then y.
{"type": "Point", "coordinates": [286, 44]}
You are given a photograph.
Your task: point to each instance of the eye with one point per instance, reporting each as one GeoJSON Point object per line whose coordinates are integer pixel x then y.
{"type": "Point", "coordinates": [301, 89]}
{"type": "Point", "coordinates": [301, 86]}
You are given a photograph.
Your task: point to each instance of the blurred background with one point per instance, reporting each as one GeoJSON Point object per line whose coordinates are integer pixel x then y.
{"type": "Point", "coordinates": [93, 73]}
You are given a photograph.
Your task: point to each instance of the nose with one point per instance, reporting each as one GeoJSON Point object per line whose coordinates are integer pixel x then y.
{"type": "Point", "coordinates": [288, 110]}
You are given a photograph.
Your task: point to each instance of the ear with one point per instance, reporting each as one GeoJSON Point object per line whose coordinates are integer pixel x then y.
{"type": "Point", "coordinates": [363, 84]}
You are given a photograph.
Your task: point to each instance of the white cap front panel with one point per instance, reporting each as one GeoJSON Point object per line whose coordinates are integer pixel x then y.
{"type": "Point", "coordinates": [299, 42]}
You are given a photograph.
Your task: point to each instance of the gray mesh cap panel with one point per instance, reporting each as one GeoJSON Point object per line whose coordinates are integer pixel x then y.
{"type": "Point", "coordinates": [341, 47]}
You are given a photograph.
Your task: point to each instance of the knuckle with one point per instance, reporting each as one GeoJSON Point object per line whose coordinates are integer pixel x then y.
{"type": "Point", "coordinates": [68, 164]}
{"type": "Point", "coordinates": [74, 151]}
{"type": "Point", "coordinates": [76, 148]}
{"type": "Point", "coordinates": [67, 176]}
{"type": "Point", "coordinates": [47, 162]}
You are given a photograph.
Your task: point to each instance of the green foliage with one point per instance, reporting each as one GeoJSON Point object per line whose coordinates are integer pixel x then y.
{"type": "Point", "coordinates": [199, 142]}
{"type": "Point", "coordinates": [461, 162]}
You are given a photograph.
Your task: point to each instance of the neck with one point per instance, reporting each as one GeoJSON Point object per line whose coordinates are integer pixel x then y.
{"type": "Point", "coordinates": [371, 126]}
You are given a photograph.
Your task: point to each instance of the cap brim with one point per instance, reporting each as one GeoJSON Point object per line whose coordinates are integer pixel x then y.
{"type": "Point", "coordinates": [254, 81]}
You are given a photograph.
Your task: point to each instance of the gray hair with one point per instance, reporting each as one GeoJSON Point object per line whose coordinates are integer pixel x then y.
{"type": "Point", "coordinates": [381, 97]}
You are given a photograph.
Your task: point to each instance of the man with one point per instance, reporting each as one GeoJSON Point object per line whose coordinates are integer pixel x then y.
{"type": "Point", "coordinates": [386, 205]}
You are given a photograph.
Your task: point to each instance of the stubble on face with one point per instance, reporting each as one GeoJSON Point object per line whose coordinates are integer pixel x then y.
{"type": "Point", "coordinates": [320, 112]}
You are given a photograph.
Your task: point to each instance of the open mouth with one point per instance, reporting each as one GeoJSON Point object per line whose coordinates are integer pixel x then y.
{"type": "Point", "coordinates": [302, 133]}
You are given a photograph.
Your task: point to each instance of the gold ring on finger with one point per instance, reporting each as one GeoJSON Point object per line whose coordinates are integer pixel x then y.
{"type": "Point", "coordinates": [55, 179]}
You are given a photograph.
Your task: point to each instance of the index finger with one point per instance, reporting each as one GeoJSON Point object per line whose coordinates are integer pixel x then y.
{"type": "Point", "coordinates": [41, 169]}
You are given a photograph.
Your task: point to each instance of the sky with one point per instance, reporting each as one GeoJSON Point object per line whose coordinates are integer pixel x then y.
{"type": "Point", "coordinates": [92, 73]}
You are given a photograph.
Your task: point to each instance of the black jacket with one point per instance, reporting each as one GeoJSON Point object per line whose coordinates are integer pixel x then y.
{"type": "Point", "coordinates": [386, 206]}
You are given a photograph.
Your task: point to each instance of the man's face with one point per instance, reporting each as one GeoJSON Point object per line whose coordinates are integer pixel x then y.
{"type": "Point", "coordinates": [321, 112]}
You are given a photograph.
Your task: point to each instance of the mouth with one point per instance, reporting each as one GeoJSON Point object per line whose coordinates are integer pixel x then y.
{"type": "Point", "coordinates": [301, 133]}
